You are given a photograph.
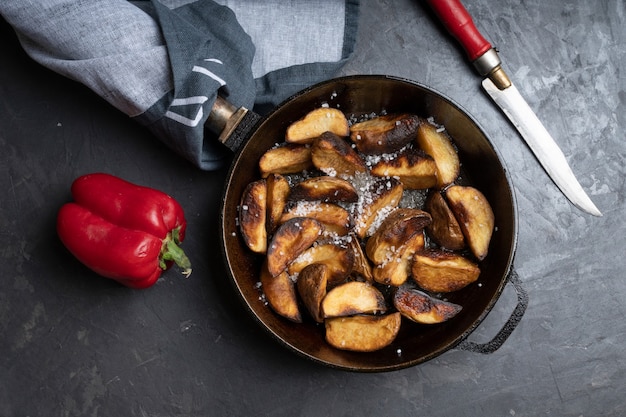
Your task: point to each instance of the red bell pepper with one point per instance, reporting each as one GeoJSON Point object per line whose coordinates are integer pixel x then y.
{"type": "Point", "coordinates": [123, 231]}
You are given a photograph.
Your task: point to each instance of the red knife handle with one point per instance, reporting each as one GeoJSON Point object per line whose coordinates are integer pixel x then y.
{"type": "Point", "coordinates": [460, 24]}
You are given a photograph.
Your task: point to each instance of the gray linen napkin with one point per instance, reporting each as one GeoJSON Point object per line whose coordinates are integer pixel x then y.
{"type": "Point", "coordinates": [164, 62]}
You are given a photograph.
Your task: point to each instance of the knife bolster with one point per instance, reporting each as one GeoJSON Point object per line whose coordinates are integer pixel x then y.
{"type": "Point", "coordinates": [487, 62]}
{"type": "Point", "coordinates": [490, 65]}
{"type": "Point", "coordinates": [499, 78]}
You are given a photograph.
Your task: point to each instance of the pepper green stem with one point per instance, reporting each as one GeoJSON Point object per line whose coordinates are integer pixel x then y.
{"type": "Point", "coordinates": [170, 251]}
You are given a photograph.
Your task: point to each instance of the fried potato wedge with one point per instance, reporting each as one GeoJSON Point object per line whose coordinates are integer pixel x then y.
{"type": "Point", "coordinates": [311, 285]}
{"type": "Point", "coordinates": [278, 190]}
{"type": "Point", "coordinates": [437, 144]}
{"type": "Point", "coordinates": [280, 293]}
{"type": "Point", "coordinates": [475, 217]}
{"type": "Point", "coordinates": [397, 228]}
{"type": "Point", "coordinates": [287, 159]}
{"type": "Point", "coordinates": [335, 218]}
{"type": "Point", "coordinates": [316, 122]}
{"type": "Point", "coordinates": [437, 270]}
{"type": "Point", "coordinates": [338, 259]}
{"type": "Point", "coordinates": [423, 308]}
{"type": "Point", "coordinates": [354, 297]}
{"type": "Point", "coordinates": [252, 216]}
{"type": "Point", "coordinates": [382, 194]}
{"type": "Point", "coordinates": [325, 188]}
{"type": "Point", "coordinates": [415, 169]}
{"type": "Point", "coordinates": [396, 270]}
{"type": "Point", "coordinates": [384, 134]}
{"type": "Point", "coordinates": [444, 229]}
{"type": "Point", "coordinates": [334, 156]}
{"type": "Point", "coordinates": [361, 265]}
{"type": "Point", "coordinates": [291, 239]}
{"type": "Point", "coordinates": [362, 333]}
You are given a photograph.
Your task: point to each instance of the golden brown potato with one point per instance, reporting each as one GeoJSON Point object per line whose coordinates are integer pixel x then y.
{"type": "Point", "coordinates": [316, 122]}
{"type": "Point", "coordinates": [287, 159]}
{"type": "Point", "coordinates": [382, 195]}
{"type": "Point", "coordinates": [475, 217]}
{"type": "Point", "coordinates": [361, 265]}
{"type": "Point", "coordinates": [338, 259]}
{"type": "Point", "coordinates": [325, 188]}
{"type": "Point", "coordinates": [394, 231]}
{"type": "Point", "coordinates": [423, 308]}
{"type": "Point", "coordinates": [396, 269]}
{"type": "Point", "coordinates": [280, 294]}
{"type": "Point", "coordinates": [436, 143]}
{"type": "Point", "coordinates": [333, 155]}
{"type": "Point", "coordinates": [415, 169]}
{"type": "Point", "coordinates": [291, 239]}
{"type": "Point", "coordinates": [252, 216]}
{"type": "Point", "coordinates": [362, 333]}
{"type": "Point", "coordinates": [335, 218]}
{"type": "Point", "coordinates": [354, 297]}
{"type": "Point", "coordinates": [311, 285]}
{"type": "Point", "coordinates": [277, 194]}
{"type": "Point", "coordinates": [436, 270]}
{"type": "Point", "coordinates": [444, 228]}
{"type": "Point", "coordinates": [384, 134]}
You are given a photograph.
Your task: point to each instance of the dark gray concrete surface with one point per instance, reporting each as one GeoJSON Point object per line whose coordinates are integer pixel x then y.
{"type": "Point", "coordinates": [76, 345]}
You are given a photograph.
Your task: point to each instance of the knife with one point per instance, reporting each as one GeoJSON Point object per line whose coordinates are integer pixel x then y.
{"type": "Point", "coordinates": [498, 85]}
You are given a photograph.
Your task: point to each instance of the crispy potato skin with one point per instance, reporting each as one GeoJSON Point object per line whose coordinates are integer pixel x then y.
{"type": "Point", "coordinates": [252, 216]}
{"type": "Point", "coordinates": [291, 239]}
{"type": "Point", "coordinates": [385, 194]}
{"type": "Point", "coordinates": [423, 308]}
{"type": "Point", "coordinates": [437, 270]}
{"type": "Point", "coordinates": [384, 134]}
{"type": "Point", "coordinates": [475, 217]}
{"type": "Point", "coordinates": [415, 169]}
{"type": "Point", "coordinates": [286, 159]}
{"type": "Point", "coordinates": [396, 269]}
{"type": "Point", "coordinates": [399, 226]}
{"type": "Point", "coordinates": [361, 265]}
{"type": "Point", "coordinates": [437, 144]}
{"type": "Point", "coordinates": [311, 285]}
{"type": "Point", "coordinates": [444, 228]}
{"type": "Point", "coordinates": [325, 188]}
{"type": "Point", "coordinates": [316, 122]}
{"type": "Point", "coordinates": [334, 218]}
{"type": "Point", "coordinates": [280, 293]}
{"type": "Point", "coordinates": [362, 333]}
{"type": "Point", "coordinates": [332, 154]}
{"type": "Point", "coordinates": [338, 260]}
{"type": "Point", "coordinates": [278, 190]}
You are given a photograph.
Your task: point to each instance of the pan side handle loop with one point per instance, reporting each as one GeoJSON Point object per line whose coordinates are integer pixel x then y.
{"type": "Point", "coordinates": [510, 325]}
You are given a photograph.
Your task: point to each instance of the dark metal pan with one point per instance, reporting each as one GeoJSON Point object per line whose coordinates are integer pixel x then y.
{"type": "Point", "coordinates": [250, 136]}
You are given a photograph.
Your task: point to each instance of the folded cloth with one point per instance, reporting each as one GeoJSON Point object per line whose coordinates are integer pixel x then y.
{"type": "Point", "coordinates": [164, 62]}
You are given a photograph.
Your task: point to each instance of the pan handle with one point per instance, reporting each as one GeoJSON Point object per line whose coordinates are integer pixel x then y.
{"type": "Point", "coordinates": [230, 124]}
{"type": "Point", "coordinates": [510, 325]}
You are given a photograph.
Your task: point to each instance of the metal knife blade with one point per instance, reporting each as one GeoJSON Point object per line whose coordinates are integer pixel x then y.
{"type": "Point", "coordinates": [498, 85]}
{"type": "Point", "coordinates": [541, 143]}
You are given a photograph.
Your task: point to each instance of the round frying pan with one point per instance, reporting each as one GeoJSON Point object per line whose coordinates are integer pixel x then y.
{"type": "Point", "coordinates": [250, 136]}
